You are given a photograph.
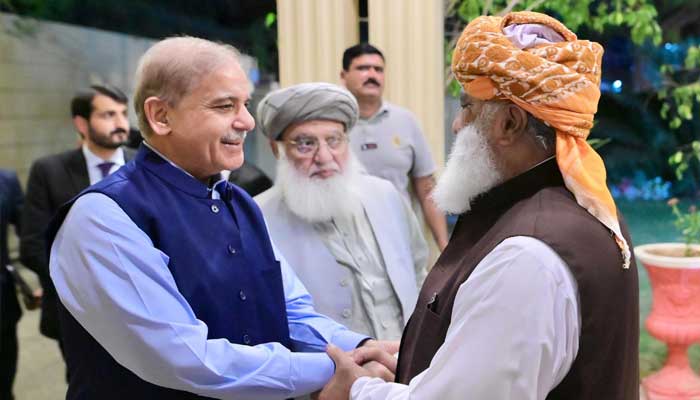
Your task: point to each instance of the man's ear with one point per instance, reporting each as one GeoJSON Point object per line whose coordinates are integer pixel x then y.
{"type": "Point", "coordinates": [342, 76]}
{"type": "Point", "coordinates": [275, 150]}
{"type": "Point", "coordinates": [512, 121]}
{"type": "Point", "coordinates": [156, 111]}
{"type": "Point", "coordinates": [81, 125]}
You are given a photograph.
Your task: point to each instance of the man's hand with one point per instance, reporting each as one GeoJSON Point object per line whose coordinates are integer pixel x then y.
{"type": "Point", "coordinates": [346, 373]}
{"type": "Point", "coordinates": [33, 302]}
{"type": "Point", "coordinates": [375, 355]}
{"type": "Point", "coordinates": [390, 346]}
{"type": "Point", "coordinates": [378, 370]}
{"type": "Point", "coordinates": [381, 351]}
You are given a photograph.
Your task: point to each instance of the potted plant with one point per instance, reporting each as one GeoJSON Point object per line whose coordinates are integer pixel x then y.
{"type": "Point", "coordinates": [674, 273]}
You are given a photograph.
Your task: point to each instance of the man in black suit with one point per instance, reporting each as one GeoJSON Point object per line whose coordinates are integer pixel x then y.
{"type": "Point", "coordinates": [100, 117]}
{"type": "Point", "coordinates": [10, 312]}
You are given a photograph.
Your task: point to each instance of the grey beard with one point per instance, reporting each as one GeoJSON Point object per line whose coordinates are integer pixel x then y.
{"type": "Point", "coordinates": [470, 171]}
{"type": "Point", "coordinates": [319, 200]}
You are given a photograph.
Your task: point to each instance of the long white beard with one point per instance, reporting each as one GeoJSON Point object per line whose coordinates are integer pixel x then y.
{"type": "Point", "coordinates": [470, 171]}
{"type": "Point", "coordinates": [319, 200]}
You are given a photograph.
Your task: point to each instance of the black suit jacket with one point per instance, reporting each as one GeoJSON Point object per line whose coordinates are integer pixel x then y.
{"type": "Point", "coordinates": [53, 180]}
{"type": "Point", "coordinates": [10, 207]}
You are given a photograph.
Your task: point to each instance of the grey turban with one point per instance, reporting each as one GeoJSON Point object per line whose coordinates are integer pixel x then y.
{"type": "Point", "coordinates": [306, 102]}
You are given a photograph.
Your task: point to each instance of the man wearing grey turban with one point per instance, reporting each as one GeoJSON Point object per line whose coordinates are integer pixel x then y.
{"type": "Point", "coordinates": [351, 238]}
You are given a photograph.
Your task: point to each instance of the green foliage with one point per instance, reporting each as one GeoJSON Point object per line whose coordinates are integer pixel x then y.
{"type": "Point", "coordinates": [637, 16]}
{"type": "Point", "coordinates": [681, 159]}
{"type": "Point", "coordinates": [688, 223]}
{"type": "Point", "coordinates": [692, 60]}
{"type": "Point", "coordinates": [270, 19]}
{"type": "Point", "coordinates": [681, 92]}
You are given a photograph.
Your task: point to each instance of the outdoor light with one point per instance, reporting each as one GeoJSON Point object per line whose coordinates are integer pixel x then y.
{"type": "Point", "coordinates": [617, 86]}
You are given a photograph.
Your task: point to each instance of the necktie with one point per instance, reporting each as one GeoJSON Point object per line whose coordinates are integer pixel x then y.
{"type": "Point", "coordinates": [105, 167]}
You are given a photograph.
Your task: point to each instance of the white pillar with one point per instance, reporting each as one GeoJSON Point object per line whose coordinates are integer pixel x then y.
{"type": "Point", "coordinates": [410, 34]}
{"type": "Point", "coordinates": [312, 35]}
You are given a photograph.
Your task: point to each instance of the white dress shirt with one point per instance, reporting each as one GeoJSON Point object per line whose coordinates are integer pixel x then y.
{"type": "Point", "coordinates": [376, 310]}
{"type": "Point", "coordinates": [514, 332]}
{"type": "Point", "coordinates": [93, 161]}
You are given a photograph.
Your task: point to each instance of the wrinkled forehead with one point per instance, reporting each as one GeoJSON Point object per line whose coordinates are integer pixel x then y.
{"type": "Point", "coordinates": [367, 60]}
{"type": "Point", "coordinates": [102, 103]}
{"type": "Point", "coordinates": [320, 128]}
{"type": "Point", "coordinates": [228, 80]}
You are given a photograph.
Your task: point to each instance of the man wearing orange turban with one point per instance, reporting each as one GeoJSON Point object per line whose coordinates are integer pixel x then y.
{"type": "Point", "coordinates": [535, 296]}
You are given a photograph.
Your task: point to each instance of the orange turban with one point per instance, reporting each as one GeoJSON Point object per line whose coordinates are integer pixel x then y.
{"type": "Point", "coordinates": [557, 82]}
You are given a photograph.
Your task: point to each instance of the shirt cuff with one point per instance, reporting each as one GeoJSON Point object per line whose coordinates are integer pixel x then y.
{"type": "Point", "coordinates": [360, 383]}
{"type": "Point", "coordinates": [310, 372]}
{"type": "Point", "coordinates": [348, 340]}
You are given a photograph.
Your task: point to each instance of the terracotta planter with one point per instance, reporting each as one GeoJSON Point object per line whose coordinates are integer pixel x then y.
{"type": "Point", "coordinates": [674, 318]}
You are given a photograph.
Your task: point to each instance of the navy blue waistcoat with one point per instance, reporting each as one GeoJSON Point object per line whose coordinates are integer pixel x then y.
{"type": "Point", "coordinates": [220, 257]}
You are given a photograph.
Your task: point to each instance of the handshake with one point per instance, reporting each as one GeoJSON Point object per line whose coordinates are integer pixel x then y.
{"type": "Point", "coordinates": [374, 359]}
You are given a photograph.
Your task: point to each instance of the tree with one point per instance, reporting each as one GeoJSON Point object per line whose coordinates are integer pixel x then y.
{"type": "Point", "coordinates": [647, 22]}
{"type": "Point", "coordinates": [639, 16]}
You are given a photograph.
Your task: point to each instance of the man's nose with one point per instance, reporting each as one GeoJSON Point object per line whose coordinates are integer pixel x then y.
{"type": "Point", "coordinates": [123, 122]}
{"type": "Point", "coordinates": [456, 124]}
{"type": "Point", "coordinates": [323, 154]}
{"type": "Point", "coordinates": [244, 121]}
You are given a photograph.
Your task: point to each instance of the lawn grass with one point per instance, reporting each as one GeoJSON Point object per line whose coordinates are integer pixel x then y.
{"type": "Point", "coordinates": [650, 222]}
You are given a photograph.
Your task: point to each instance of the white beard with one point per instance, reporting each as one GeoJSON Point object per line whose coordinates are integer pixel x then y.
{"type": "Point", "coordinates": [319, 200]}
{"type": "Point", "coordinates": [470, 171]}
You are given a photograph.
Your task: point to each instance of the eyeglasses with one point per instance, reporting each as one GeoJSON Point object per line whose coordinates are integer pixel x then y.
{"type": "Point", "coordinates": [308, 145]}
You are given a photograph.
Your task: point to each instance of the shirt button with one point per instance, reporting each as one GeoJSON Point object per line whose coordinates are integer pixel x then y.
{"type": "Point", "coordinates": [385, 324]}
{"type": "Point", "coordinates": [231, 249]}
{"type": "Point", "coordinates": [214, 208]}
{"type": "Point", "coordinates": [344, 282]}
{"type": "Point", "coordinates": [246, 339]}
{"type": "Point", "coordinates": [346, 313]}
{"type": "Point", "coordinates": [242, 295]}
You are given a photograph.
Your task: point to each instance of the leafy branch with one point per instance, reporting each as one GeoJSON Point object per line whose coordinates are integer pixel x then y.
{"type": "Point", "coordinates": [679, 98]}
{"type": "Point", "coordinates": [638, 16]}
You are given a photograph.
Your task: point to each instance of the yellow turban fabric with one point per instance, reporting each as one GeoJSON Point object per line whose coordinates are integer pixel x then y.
{"type": "Point", "coordinates": [557, 82]}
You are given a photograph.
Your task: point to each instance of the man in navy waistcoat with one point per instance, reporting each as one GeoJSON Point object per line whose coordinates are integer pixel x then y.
{"type": "Point", "coordinates": [169, 284]}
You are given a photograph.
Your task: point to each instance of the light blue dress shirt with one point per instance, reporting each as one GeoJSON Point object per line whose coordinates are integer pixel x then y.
{"type": "Point", "coordinates": [117, 285]}
{"type": "Point", "coordinates": [92, 161]}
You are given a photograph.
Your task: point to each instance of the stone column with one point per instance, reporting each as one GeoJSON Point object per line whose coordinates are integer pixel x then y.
{"type": "Point", "coordinates": [312, 35]}
{"type": "Point", "coordinates": [410, 34]}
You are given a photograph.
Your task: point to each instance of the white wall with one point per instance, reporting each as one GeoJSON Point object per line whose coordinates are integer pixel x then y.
{"type": "Point", "coordinates": [39, 73]}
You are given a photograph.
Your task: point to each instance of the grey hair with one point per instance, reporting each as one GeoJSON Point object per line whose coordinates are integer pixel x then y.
{"type": "Point", "coordinates": [173, 67]}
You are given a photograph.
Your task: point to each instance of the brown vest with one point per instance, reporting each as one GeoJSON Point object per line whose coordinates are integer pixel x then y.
{"type": "Point", "coordinates": [536, 204]}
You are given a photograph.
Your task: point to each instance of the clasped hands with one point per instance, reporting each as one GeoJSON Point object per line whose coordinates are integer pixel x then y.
{"type": "Point", "coordinates": [373, 359]}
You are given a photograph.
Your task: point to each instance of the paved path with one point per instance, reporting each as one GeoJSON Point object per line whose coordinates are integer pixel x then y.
{"type": "Point", "coordinates": [41, 372]}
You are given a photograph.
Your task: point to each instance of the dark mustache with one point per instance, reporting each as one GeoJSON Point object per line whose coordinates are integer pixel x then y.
{"type": "Point", "coordinates": [117, 131]}
{"type": "Point", "coordinates": [371, 80]}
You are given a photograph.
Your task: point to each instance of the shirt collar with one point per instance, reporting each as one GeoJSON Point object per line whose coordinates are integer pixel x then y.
{"type": "Point", "coordinates": [383, 109]}
{"type": "Point", "coordinates": [153, 149]}
{"type": "Point", "coordinates": [212, 193]}
{"type": "Point", "coordinates": [93, 160]}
